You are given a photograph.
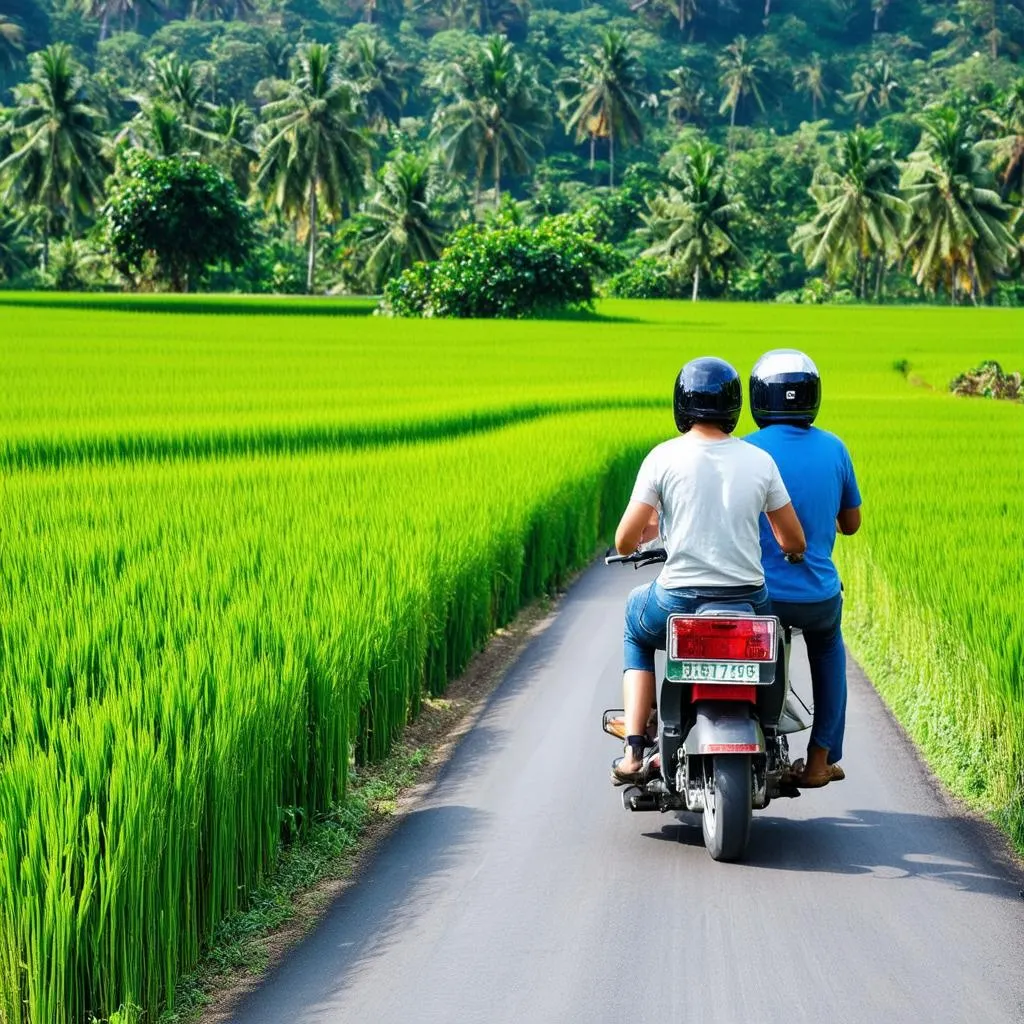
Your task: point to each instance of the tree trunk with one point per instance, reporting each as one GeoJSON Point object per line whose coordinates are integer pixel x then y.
{"type": "Point", "coordinates": [105, 23]}
{"type": "Point", "coordinates": [611, 156]}
{"type": "Point", "coordinates": [497, 173]}
{"type": "Point", "coordinates": [696, 282]}
{"type": "Point", "coordinates": [45, 257]}
{"type": "Point", "coordinates": [311, 266]}
{"type": "Point", "coordinates": [814, 105]}
{"type": "Point", "coordinates": [879, 274]}
{"type": "Point", "coordinates": [878, 18]}
{"type": "Point", "coordinates": [767, 9]}
{"type": "Point", "coordinates": [593, 140]}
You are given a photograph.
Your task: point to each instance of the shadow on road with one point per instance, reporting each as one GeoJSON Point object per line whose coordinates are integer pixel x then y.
{"type": "Point", "coordinates": [886, 844]}
{"type": "Point", "coordinates": [368, 918]}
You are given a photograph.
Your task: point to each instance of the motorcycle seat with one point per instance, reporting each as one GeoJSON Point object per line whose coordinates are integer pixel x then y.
{"type": "Point", "coordinates": [726, 608]}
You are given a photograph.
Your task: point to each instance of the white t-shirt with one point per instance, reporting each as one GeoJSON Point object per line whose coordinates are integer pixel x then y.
{"type": "Point", "coordinates": [710, 495]}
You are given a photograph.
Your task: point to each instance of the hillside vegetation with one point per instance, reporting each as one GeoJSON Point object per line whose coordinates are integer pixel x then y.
{"type": "Point", "coordinates": [803, 150]}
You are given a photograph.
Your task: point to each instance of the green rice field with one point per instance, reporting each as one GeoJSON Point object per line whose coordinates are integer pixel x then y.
{"type": "Point", "coordinates": [241, 539]}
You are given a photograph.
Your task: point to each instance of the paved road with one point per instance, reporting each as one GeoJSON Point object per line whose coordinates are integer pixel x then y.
{"type": "Point", "coordinates": [520, 891]}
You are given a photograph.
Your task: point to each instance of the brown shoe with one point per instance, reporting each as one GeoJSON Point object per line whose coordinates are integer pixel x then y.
{"type": "Point", "coordinates": [799, 776]}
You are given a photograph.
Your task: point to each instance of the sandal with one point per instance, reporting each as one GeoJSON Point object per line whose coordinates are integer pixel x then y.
{"type": "Point", "coordinates": [624, 778]}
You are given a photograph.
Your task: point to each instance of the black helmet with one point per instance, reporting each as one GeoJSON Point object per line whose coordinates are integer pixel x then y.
{"type": "Point", "coordinates": [785, 387]}
{"type": "Point", "coordinates": [708, 390]}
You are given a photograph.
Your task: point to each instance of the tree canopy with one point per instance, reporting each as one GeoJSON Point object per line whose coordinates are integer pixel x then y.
{"type": "Point", "coordinates": [804, 150]}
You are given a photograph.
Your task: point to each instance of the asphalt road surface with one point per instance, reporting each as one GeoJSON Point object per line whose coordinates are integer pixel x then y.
{"type": "Point", "coordinates": [520, 890]}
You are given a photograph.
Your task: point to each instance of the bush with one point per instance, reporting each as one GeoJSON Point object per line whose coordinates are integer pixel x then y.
{"type": "Point", "coordinates": [645, 278]}
{"type": "Point", "coordinates": [172, 218]}
{"type": "Point", "coordinates": [509, 271]}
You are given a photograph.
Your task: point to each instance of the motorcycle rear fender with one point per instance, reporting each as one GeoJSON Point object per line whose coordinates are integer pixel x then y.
{"type": "Point", "coordinates": [724, 728]}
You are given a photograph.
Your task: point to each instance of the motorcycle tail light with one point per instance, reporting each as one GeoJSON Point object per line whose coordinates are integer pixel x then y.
{"type": "Point", "coordinates": [722, 638]}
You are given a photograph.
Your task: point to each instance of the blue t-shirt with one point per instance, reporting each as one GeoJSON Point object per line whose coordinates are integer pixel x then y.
{"type": "Point", "coordinates": [818, 473]}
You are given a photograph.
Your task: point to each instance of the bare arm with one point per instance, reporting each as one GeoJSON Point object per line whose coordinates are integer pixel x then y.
{"type": "Point", "coordinates": [848, 521]}
{"type": "Point", "coordinates": [787, 529]}
{"type": "Point", "coordinates": [639, 523]}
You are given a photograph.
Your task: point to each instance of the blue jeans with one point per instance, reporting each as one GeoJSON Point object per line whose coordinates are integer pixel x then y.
{"type": "Point", "coordinates": [649, 606]}
{"type": "Point", "coordinates": [821, 624]}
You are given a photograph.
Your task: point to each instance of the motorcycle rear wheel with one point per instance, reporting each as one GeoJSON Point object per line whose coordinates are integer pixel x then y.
{"type": "Point", "coordinates": [728, 796]}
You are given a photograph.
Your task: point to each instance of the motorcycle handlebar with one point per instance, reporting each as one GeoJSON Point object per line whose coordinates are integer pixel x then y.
{"type": "Point", "coordinates": [638, 558]}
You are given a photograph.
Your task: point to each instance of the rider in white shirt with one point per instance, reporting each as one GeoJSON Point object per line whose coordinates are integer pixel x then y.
{"type": "Point", "coordinates": [705, 491]}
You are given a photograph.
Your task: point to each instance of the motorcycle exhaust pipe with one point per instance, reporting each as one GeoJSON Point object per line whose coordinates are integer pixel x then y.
{"type": "Point", "coordinates": [643, 802]}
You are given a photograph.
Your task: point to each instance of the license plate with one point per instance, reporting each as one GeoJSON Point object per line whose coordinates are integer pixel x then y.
{"type": "Point", "coordinates": [718, 671]}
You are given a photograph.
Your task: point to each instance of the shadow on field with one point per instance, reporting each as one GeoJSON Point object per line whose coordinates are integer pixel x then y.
{"type": "Point", "coordinates": [368, 918]}
{"type": "Point", "coordinates": [588, 316]}
{"type": "Point", "coordinates": [187, 304]}
{"type": "Point", "coordinates": [889, 845]}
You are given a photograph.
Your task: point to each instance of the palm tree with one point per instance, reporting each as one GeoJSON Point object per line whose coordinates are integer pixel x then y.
{"type": "Point", "coordinates": [690, 223]}
{"type": "Point", "coordinates": [227, 10]}
{"type": "Point", "coordinates": [14, 244]}
{"type": "Point", "coordinates": [687, 98]}
{"type": "Point", "coordinates": [57, 157]}
{"type": "Point", "coordinates": [684, 12]}
{"type": "Point", "coordinates": [105, 9]}
{"type": "Point", "coordinates": [316, 155]}
{"type": "Point", "coordinates": [874, 85]}
{"type": "Point", "coordinates": [878, 8]}
{"type": "Point", "coordinates": [607, 96]}
{"type": "Point", "coordinates": [1006, 150]}
{"type": "Point", "coordinates": [495, 113]}
{"type": "Point", "coordinates": [404, 223]}
{"type": "Point", "coordinates": [493, 16]}
{"type": "Point", "coordinates": [809, 78]}
{"type": "Point", "coordinates": [182, 85]}
{"type": "Point", "coordinates": [740, 70]}
{"type": "Point", "coordinates": [369, 62]}
{"type": "Point", "coordinates": [860, 212]}
{"type": "Point", "coordinates": [376, 11]}
{"type": "Point", "coordinates": [228, 141]}
{"type": "Point", "coordinates": [157, 128]}
{"type": "Point", "coordinates": [959, 231]}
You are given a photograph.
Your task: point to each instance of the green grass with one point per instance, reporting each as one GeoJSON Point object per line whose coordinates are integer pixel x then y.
{"type": "Point", "coordinates": [238, 549]}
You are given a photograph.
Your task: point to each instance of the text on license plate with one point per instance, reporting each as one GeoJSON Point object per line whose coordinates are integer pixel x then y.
{"type": "Point", "coordinates": [720, 671]}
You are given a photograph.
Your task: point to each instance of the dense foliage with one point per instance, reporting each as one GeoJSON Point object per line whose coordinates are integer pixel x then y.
{"type": "Point", "coordinates": [509, 271]}
{"type": "Point", "coordinates": [802, 149]}
{"type": "Point", "coordinates": [171, 218]}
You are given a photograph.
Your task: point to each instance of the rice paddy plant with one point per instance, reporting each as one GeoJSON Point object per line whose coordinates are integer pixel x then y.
{"type": "Point", "coordinates": [233, 550]}
{"type": "Point", "coordinates": [191, 650]}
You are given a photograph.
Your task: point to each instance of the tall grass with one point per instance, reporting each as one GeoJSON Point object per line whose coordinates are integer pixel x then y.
{"type": "Point", "coordinates": [189, 657]}
{"type": "Point", "coordinates": [237, 550]}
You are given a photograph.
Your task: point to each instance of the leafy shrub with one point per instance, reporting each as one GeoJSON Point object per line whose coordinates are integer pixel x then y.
{"type": "Point", "coordinates": [510, 271]}
{"type": "Point", "coordinates": [645, 278]}
{"type": "Point", "coordinates": [172, 218]}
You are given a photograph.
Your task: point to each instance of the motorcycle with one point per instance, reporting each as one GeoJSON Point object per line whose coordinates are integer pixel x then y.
{"type": "Point", "coordinates": [724, 711]}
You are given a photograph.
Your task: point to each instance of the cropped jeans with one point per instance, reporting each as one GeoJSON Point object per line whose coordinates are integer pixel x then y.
{"type": "Point", "coordinates": [649, 606]}
{"type": "Point", "coordinates": [821, 623]}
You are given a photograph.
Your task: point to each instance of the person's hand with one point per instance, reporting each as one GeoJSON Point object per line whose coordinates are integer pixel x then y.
{"type": "Point", "coordinates": [793, 557]}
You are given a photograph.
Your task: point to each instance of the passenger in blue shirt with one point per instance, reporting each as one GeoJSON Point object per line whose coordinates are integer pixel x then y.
{"type": "Point", "coordinates": [785, 395]}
